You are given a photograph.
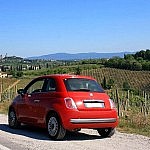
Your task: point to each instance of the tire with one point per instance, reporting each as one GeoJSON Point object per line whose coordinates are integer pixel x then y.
{"type": "Point", "coordinates": [12, 119]}
{"type": "Point", "coordinates": [108, 132]}
{"type": "Point", "coordinates": [54, 127]}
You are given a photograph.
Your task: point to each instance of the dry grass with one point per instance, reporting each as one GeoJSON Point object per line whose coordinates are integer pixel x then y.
{"type": "Point", "coordinates": [135, 123]}
{"type": "Point", "coordinates": [4, 107]}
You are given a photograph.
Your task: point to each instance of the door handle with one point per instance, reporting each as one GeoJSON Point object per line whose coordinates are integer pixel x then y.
{"type": "Point", "coordinates": [29, 95]}
{"type": "Point", "coordinates": [36, 101]}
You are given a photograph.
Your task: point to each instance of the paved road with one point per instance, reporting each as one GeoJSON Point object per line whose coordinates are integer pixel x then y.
{"type": "Point", "coordinates": [29, 138]}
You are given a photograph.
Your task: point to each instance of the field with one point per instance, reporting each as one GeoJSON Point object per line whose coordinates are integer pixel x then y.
{"type": "Point", "coordinates": [139, 80]}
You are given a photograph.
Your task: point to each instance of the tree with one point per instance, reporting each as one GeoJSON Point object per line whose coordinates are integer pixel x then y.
{"type": "Point", "coordinates": [146, 66]}
{"type": "Point", "coordinates": [140, 54]}
{"type": "Point", "coordinates": [137, 66]}
{"type": "Point", "coordinates": [110, 83]}
{"type": "Point", "coordinates": [39, 66]}
{"type": "Point", "coordinates": [147, 54]}
{"type": "Point", "coordinates": [126, 86]}
{"type": "Point", "coordinates": [129, 57]}
{"type": "Point", "coordinates": [104, 83]}
{"type": "Point", "coordinates": [3, 68]}
{"type": "Point", "coordinates": [47, 65]}
{"type": "Point", "coordinates": [11, 67]}
{"type": "Point", "coordinates": [78, 70]}
{"type": "Point", "coordinates": [19, 74]}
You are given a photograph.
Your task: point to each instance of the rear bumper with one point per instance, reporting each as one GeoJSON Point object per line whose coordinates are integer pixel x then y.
{"type": "Point", "coordinates": [89, 119]}
{"type": "Point", "coordinates": [85, 121]}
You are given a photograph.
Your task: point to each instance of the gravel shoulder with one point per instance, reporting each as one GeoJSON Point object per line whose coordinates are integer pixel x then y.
{"type": "Point", "coordinates": [29, 138]}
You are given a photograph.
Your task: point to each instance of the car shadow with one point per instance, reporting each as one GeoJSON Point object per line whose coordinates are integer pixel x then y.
{"type": "Point", "coordinates": [28, 131]}
{"type": "Point", "coordinates": [41, 134]}
{"type": "Point", "coordinates": [80, 136]}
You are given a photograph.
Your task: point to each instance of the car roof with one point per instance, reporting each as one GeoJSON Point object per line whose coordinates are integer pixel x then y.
{"type": "Point", "coordinates": [63, 76]}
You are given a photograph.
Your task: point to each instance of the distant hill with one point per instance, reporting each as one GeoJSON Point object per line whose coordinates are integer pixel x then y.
{"type": "Point", "coordinates": [78, 56]}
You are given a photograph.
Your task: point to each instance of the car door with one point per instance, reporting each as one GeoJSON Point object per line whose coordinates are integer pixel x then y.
{"type": "Point", "coordinates": [27, 108]}
{"type": "Point", "coordinates": [46, 98]}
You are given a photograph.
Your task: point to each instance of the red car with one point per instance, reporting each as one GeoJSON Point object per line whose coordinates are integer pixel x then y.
{"type": "Point", "coordinates": [63, 103]}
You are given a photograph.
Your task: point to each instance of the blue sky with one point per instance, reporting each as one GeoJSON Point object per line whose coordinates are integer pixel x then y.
{"type": "Point", "coordinates": [38, 27]}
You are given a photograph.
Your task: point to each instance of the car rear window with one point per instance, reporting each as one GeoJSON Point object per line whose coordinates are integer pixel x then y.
{"type": "Point", "coordinates": [80, 84]}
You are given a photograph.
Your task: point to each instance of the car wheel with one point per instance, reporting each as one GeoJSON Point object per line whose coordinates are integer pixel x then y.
{"type": "Point", "coordinates": [108, 132]}
{"type": "Point", "coordinates": [12, 119]}
{"type": "Point", "coordinates": [55, 129]}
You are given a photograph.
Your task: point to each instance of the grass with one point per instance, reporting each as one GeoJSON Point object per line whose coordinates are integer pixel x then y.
{"type": "Point", "coordinates": [23, 83]}
{"type": "Point", "coordinates": [137, 125]}
{"type": "Point", "coordinates": [6, 82]}
{"type": "Point", "coordinates": [126, 128]}
{"type": "Point", "coordinates": [4, 107]}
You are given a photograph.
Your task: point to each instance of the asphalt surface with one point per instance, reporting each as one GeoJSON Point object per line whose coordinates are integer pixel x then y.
{"type": "Point", "coordinates": [31, 138]}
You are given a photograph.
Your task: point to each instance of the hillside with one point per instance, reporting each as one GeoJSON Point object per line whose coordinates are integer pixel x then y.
{"type": "Point", "coordinates": [79, 56]}
{"type": "Point", "coordinates": [139, 80]}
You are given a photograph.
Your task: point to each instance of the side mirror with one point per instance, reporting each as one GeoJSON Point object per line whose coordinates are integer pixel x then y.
{"type": "Point", "coordinates": [21, 92]}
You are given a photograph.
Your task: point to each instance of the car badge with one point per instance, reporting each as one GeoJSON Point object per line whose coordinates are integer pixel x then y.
{"type": "Point", "coordinates": [91, 94]}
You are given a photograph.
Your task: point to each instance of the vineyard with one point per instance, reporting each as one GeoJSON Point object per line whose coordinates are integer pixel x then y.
{"type": "Point", "coordinates": [133, 111]}
{"type": "Point", "coordinates": [9, 87]}
{"type": "Point", "coordinates": [139, 80]}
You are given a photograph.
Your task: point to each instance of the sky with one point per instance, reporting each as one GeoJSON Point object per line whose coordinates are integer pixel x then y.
{"type": "Point", "coordinates": [40, 27]}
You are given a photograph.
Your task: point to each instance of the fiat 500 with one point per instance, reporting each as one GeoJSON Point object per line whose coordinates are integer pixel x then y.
{"type": "Point", "coordinates": [63, 103]}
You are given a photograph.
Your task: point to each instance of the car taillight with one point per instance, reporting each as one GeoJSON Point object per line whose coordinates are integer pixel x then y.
{"type": "Point", "coordinates": [112, 104]}
{"type": "Point", "coordinates": [70, 103]}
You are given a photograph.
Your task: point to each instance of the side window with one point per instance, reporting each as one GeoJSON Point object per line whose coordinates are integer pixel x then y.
{"type": "Point", "coordinates": [51, 85]}
{"type": "Point", "coordinates": [36, 87]}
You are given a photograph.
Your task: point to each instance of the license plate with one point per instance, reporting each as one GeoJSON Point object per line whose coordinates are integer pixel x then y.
{"type": "Point", "coordinates": [94, 105]}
